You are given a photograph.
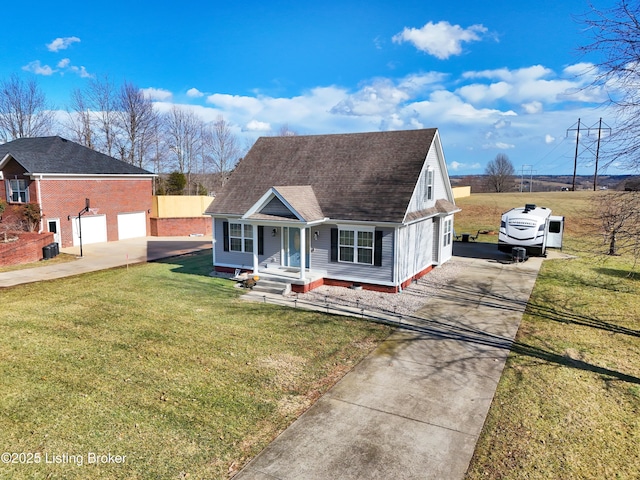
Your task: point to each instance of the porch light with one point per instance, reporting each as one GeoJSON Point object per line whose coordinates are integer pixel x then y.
{"type": "Point", "coordinates": [316, 235]}
{"type": "Point", "coordinates": [274, 232]}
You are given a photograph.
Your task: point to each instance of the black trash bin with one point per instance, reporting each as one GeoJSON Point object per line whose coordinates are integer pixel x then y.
{"type": "Point", "coordinates": [47, 252]}
{"type": "Point", "coordinates": [518, 254]}
{"type": "Point", "coordinates": [56, 248]}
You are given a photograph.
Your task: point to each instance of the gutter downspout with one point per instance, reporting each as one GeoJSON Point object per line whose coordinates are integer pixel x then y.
{"type": "Point", "coordinates": [39, 196]}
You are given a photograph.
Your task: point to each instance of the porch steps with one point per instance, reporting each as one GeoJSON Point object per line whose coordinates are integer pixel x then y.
{"type": "Point", "coordinates": [275, 286]}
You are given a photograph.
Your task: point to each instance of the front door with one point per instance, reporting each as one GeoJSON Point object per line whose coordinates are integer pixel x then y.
{"type": "Point", "coordinates": [54, 227]}
{"type": "Point", "coordinates": [291, 244]}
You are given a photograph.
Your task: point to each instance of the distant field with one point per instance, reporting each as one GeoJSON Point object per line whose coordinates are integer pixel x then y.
{"type": "Point", "coordinates": [568, 403]}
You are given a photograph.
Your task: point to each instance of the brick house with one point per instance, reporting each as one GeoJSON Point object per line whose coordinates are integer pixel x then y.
{"type": "Point", "coordinates": [60, 175]}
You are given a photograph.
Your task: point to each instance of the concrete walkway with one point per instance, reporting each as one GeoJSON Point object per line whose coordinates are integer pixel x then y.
{"type": "Point", "coordinates": [414, 408]}
{"type": "Point", "coordinates": [101, 256]}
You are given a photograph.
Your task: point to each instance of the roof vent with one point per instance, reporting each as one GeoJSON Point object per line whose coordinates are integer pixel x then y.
{"type": "Point", "coordinates": [529, 206]}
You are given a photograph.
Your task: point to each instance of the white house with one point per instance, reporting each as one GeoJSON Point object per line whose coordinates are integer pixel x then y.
{"type": "Point", "coordinates": [372, 209]}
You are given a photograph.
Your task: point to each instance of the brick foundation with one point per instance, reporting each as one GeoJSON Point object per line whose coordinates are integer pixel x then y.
{"type": "Point", "coordinates": [346, 284]}
{"type": "Point", "coordinates": [27, 249]}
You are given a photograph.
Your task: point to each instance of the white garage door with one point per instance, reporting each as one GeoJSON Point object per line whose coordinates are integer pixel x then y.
{"type": "Point", "coordinates": [132, 225]}
{"type": "Point", "coordinates": [94, 229]}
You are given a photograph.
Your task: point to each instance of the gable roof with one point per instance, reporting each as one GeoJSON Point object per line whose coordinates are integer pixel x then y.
{"type": "Point", "coordinates": [300, 203]}
{"type": "Point", "coordinates": [356, 176]}
{"type": "Point", "coordinates": [57, 155]}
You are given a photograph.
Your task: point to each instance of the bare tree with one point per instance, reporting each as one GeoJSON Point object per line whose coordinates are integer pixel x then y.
{"type": "Point", "coordinates": [24, 111]}
{"type": "Point", "coordinates": [80, 122]}
{"type": "Point", "coordinates": [285, 131]}
{"type": "Point", "coordinates": [136, 120]}
{"type": "Point", "coordinates": [615, 38]}
{"type": "Point", "coordinates": [499, 172]}
{"type": "Point", "coordinates": [182, 129]}
{"type": "Point", "coordinates": [222, 147]}
{"type": "Point", "coordinates": [102, 99]}
{"type": "Point", "coordinates": [617, 215]}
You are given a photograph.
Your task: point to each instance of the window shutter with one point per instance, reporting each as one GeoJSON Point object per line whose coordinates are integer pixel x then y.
{"type": "Point", "coordinates": [260, 240]}
{"type": "Point", "coordinates": [225, 235]}
{"type": "Point", "coordinates": [334, 244]}
{"type": "Point", "coordinates": [377, 249]}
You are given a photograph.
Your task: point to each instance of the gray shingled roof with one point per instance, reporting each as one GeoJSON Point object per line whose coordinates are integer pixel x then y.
{"type": "Point", "coordinates": [357, 176]}
{"type": "Point", "coordinates": [58, 155]}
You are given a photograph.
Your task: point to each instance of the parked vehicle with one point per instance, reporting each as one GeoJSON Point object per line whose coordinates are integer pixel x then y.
{"type": "Point", "coordinates": [531, 227]}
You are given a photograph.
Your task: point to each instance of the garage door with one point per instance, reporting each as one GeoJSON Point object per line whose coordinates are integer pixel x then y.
{"type": "Point", "coordinates": [94, 229]}
{"type": "Point", "coordinates": [132, 225]}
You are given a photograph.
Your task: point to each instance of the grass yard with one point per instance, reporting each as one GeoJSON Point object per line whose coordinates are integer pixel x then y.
{"type": "Point", "coordinates": [568, 403]}
{"type": "Point", "coordinates": [161, 365]}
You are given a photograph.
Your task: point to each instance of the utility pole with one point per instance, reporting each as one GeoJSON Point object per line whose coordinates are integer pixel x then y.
{"type": "Point", "coordinates": [575, 159]}
{"type": "Point", "coordinates": [531, 180]}
{"type": "Point", "coordinates": [595, 173]}
{"type": "Point", "coordinates": [522, 177]}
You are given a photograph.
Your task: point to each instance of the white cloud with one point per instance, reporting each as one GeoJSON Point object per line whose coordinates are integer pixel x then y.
{"type": "Point", "coordinates": [256, 126]}
{"type": "Point", "coordinates": [456, 166]}
{"type": "Point", "coordinates": [498, 145]}
{"type": "Point", "coordinates": [441, 39]}
{"type": "Point", "coordinates": [82, 71]}
{"type": "Point", "coordinates": [64, 63]}
{"type": "Point", "coordinates": [159, 94]}
{"type": "Point", "coordinates": [532, 107]}
{"type": "Point", "coordinates": [485, 93]}
{"type": "Point", "coordinates": [39, 69]}
{"type": "Point", "coordinates": [194, 93]}
{"type": "Point", "coordinates": [549, 139]}
{"type": "Point", "coordinates": [61, 43]}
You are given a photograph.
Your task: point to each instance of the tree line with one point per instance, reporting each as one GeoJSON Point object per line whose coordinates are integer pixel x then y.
{"type": "Point", "coordinates": [120, 121]}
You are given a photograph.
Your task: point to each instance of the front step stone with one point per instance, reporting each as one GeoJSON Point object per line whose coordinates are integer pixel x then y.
{"type": "Point", "coordinates": [270, 286]}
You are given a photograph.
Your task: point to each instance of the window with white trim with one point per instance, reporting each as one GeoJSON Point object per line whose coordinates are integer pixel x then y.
{"type": "Point", "coordinates": [240, 237]}
{"type": "Point", "coordinates": [17, 191]}
{"type": "Point", "coordinates": [446, 238]}
{"type": "Point", "coordinates": [429, 184]}
{"type": "Point", "coordinates": [356, 246]}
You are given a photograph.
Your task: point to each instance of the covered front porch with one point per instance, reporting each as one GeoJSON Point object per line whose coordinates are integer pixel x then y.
{"type": "Point", "coordinates": [284, 251]}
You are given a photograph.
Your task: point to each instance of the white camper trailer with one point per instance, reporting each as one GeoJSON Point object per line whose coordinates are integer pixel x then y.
{"type": "Point", "coordinates": [531, 227]}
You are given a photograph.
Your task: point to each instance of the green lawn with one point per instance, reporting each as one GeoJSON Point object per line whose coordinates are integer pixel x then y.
{"type": "Point", "coordinates": [568, 403]}
{"type": "Point", "coordinates": [162, 365]}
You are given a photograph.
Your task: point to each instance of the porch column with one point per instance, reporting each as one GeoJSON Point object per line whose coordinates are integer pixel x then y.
{"type": "Point", "coordinates": [254, 231]}
{"type": "Point", "coordinates": [303, 251]}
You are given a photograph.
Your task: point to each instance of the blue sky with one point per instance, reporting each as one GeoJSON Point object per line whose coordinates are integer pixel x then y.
{"type": "Point", "coordinates": [494, 77]}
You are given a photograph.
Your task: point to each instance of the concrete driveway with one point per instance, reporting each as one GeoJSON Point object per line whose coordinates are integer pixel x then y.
{"type": "Point", "coordinates": [415, 407]}
{"type": "Point", "coordinates": [101, 256]}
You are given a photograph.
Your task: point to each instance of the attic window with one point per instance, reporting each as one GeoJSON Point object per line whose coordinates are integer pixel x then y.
{"type": "Point", "coordinates": [17, 191]}
{"type": "Point", "coordinates": [429, 184]}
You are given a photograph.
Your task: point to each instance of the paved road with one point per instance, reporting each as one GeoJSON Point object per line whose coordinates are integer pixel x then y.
{"type": "Point", "coordinates": [100, 256]}
{"type": "Point", "coordinates": [414, 408]}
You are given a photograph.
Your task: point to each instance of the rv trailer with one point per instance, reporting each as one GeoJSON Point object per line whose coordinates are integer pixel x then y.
{"type": "Point", "coordinates": [531, 227]}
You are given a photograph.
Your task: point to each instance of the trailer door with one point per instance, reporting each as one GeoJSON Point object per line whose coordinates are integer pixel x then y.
{"type": "Point", "coordinates": [556, 231]}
